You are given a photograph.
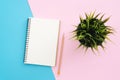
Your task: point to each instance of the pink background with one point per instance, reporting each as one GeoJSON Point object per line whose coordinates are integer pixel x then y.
{"type": "Point", "coordinates": [75, 65]}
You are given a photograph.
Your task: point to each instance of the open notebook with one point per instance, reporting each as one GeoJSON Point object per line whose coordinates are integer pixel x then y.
{"type": "Point", "coordinates": [41, 43]}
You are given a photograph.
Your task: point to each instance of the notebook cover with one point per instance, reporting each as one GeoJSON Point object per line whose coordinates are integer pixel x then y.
{"type": "Point", "coordinates": [41, 43]}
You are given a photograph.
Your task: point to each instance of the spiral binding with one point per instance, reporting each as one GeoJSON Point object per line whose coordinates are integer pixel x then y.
{"type": "Point", "coordinates": [27, 39]}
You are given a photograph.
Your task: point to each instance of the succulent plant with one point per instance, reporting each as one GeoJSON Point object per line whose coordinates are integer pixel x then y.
{"type": "Point", "coordinates": [91, 32]}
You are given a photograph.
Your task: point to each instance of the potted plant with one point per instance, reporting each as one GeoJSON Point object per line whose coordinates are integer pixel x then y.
{"type": "Point", "coordinates": [91, 32]}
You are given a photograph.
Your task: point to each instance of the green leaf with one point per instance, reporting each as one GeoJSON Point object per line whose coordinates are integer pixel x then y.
{"type": "Point", "coordinates": [97, 15]}
{"type": "Point", "coordinates": [87, 23]}
{"type": "Point", "coordinates": [79, 45]}
{"type": "Point", "coordinates": [104, 21]}
{"type": "Point", "coordinates": [83, 26]}
{"type": "Point", "coordinates": [86, 49]}
{"type": "Point", "coordinates": [93, 50]}
{"type": "Point", "coordinates": [92, 14]}
{"type": "Point", "coordinates": [102, 46]}
{"type": "Point", "coordinates": [89, 34]}
{"type": "Point", "coordinates": [86, 15]}
{"type": "Point", "coordinates": [101, 17]}
{"type": "Point", "coordinates": [81, 19]}
{"type": "Point", "coordinates": [80, 37]}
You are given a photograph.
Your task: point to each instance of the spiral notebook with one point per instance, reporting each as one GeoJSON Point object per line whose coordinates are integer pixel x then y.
{"type": "Point", "coordinates": [41, 43]}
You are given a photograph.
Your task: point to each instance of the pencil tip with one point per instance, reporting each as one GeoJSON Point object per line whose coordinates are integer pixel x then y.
{"type": "Point", "coordinates": [58, 72]}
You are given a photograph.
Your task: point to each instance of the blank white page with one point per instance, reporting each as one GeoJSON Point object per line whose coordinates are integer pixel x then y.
{"type": "Point", "coordinates": [42, 42]}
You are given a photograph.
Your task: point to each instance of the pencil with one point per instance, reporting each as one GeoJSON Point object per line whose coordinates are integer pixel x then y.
{"type": "Point", "coordinates": [60, 57]}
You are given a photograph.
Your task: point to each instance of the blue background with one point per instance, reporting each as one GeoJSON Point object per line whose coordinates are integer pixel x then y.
{"type": "Point", "coordinates": [13, 27]}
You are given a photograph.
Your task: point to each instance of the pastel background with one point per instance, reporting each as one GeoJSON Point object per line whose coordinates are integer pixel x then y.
{"type": "Point", "coordinates": [13, 25]}
{"type": "Point", "coordinates": [76, 65]}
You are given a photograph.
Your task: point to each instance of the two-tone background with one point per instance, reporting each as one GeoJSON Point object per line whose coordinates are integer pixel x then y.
{"type": "Point", "coordinates": [75, 66]}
